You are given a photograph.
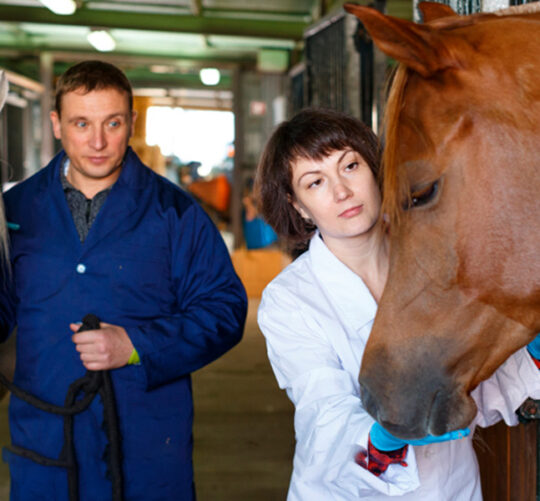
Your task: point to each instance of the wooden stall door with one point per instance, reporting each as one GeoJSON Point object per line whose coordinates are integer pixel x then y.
{"type": "Point", "coordinates": [508, 461]}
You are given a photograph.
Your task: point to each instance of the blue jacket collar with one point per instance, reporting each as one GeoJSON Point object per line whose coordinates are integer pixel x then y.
{"type": "Point", "coordinates": [134, 173]}
{"type": "Point", "coordinates": [121, 202]}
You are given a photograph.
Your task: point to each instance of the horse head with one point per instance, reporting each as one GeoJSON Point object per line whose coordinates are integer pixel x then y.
{"type": "Point", "coordinates": [461, 183]}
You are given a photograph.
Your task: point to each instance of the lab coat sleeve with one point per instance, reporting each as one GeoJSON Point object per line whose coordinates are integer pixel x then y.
{"type": "Point", "coordinates": [330, 423]}
{"type": "Point", "coordinates": [499, 396]}
{"type": "Point", "coordinates": [211, 303]}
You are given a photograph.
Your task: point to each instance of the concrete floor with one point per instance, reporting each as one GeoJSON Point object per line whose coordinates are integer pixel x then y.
{"type": "Point", "coordinates": [243, 432]}
{"type": "Point", "coordinates": [244, 437]}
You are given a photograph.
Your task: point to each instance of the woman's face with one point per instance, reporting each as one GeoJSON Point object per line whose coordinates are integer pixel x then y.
{"type": "Point", "coordinates": [338, 193]}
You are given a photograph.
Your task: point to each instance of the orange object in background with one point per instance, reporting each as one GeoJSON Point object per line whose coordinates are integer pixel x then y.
{"type": "Point", "coordinates": [215, 192]}
{"type": "Point", "coordinates": [256, 268]}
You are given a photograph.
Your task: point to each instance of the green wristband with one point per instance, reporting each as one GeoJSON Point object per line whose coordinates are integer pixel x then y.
{"type": "Point", "coordinates": [134, 358]}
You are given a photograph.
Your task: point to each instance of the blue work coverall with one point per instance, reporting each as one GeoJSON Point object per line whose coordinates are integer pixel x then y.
{"type": "Point", "coordinates": [153, 263]}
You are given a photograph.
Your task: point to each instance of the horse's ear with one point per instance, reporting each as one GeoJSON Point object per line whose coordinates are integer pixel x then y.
{"type": "Point", "coordinates": [420, 47]}
{"type": "Point", "coordinates": [435, 10]}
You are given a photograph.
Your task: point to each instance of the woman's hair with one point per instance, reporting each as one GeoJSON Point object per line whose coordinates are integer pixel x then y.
{"type": "Point", "coordinates": [312, 134]}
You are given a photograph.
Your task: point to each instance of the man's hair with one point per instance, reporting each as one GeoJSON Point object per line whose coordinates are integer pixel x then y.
{"type": "Point", "coordinates": [92, 75]}
{"type": "Point", "coordinates": [312, 134]}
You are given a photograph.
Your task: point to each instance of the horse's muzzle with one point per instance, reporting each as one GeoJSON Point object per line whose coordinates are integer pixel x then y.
{"type": "Point", "coordinates": [415, 410]}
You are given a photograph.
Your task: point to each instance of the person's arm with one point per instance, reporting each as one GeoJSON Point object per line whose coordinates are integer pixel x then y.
{"type": "Point", "coordinates": [211, 304]}
{"type": "Point", "coordinates": [385, 449]}
{"type": "Point", "coordinates": [332, 427]}
{"type": "Point", "coordinates": [534, 350]}
{"type": "Point", "coordinates": [499, 396]}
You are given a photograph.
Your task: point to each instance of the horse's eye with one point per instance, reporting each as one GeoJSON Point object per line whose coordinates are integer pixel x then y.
{"type": "Point", "coordinates": [424, 195]}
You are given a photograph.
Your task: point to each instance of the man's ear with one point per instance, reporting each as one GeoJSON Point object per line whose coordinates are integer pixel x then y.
{"type": "Point", "coordinates": [55, 120]}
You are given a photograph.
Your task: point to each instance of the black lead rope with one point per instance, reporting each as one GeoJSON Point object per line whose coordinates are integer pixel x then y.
{"type": "Point", "coordinates": [92, 383]}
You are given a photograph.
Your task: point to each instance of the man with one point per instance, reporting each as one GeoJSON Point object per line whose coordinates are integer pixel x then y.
{"type": "Point", "coordinates": [101, 233]}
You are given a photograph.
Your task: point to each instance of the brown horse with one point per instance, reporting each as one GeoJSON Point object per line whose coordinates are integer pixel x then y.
{"type": "Point", "coordinates": [462, 191]}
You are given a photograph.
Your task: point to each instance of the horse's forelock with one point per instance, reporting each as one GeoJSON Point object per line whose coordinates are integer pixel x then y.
{"type": "Point", "coordinates": [392, 180]}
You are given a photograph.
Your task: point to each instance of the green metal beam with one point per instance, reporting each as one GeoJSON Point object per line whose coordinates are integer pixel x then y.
{"type": "Point", "coordinates": [137, 70]}
{"type": "Point", "coordinates": [157, 22]}
{"type": "Point", "coordinates": [152, 57]}
{"type": "Point", "coordinates": [141, 78]}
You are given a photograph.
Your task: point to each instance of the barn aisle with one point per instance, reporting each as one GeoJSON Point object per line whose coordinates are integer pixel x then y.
{"type": "Point", "coordinates": [244, 436]}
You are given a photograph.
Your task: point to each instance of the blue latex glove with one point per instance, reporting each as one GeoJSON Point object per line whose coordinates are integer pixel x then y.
{"type": "Point", "coordinates": [534, 347]}
{"type": "Point", "coordinates": [384, 441]}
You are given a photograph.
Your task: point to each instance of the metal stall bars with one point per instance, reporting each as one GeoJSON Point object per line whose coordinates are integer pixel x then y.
{"type": "Point", "coordinates": [342, 70]}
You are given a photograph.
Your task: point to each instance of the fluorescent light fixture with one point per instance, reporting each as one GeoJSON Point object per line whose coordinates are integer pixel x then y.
{"type": "Point", "coordinates": [209, 76]}
{"type": "Point", "coordinates": [101, 40]}
{"type": "Point", "coordinates": [60, 7]}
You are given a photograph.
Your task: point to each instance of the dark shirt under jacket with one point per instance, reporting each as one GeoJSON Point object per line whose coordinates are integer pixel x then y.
{"type": "Point", "coordinates": [83, 210]}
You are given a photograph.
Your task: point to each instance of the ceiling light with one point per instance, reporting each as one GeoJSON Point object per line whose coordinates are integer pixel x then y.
{"type": "Point", "coordinates": [161, 68]}
{"type": "Point", "coordinates": [101, 40]}
{"type": "Point", "coordinates": [209, 76]}
{"type": "Point", "coordinates": [61, 7]}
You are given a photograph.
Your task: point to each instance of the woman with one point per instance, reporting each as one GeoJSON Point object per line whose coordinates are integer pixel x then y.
{"type": "Point", "coordinates": [317, 184]}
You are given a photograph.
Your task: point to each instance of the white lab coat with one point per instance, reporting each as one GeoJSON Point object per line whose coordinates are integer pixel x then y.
{"type": "Point", "coordinates": [316, 317]}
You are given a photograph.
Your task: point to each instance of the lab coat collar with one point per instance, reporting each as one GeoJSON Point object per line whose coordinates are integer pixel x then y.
{"type": "Point", "coordinates": [347, 291]}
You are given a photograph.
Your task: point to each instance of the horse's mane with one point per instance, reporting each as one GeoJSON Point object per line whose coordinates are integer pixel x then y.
{"type": "Point", "coordinates": [516, 10]}
{"type": "Point", "coordinates": [455, 21]}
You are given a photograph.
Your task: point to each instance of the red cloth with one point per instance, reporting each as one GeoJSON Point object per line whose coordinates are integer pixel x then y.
{"type": "Point", "coordinates": [536, 361]}
{"type": "Point", "coordinates": [377, 462]}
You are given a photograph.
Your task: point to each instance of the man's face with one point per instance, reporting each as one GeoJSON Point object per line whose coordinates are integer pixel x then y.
{"type": "Point", "coordinates": [94, 128]}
